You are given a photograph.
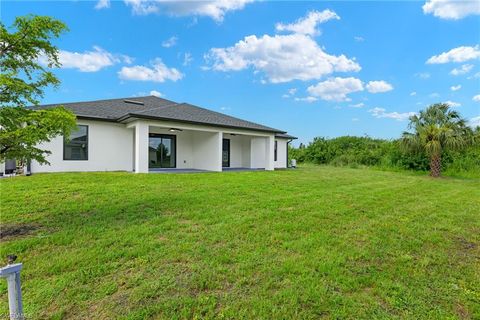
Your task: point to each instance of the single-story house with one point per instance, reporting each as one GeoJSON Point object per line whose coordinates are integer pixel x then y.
{"type": "Point", "coordinates": [145, 134]}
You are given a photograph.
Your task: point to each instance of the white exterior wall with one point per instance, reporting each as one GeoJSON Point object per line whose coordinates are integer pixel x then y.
{"type": "Point", "coordinates": [281, 153]}
{"type": "Point", "coordinates": [110, 148]}
{"type": "Point", "coordinates": [239, 151]}
{"type": "Point", "coordinates": [207, 151]}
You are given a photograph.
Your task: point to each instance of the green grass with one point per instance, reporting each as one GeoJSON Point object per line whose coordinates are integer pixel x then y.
{"type": "Point", "coordinates": [317, 242]}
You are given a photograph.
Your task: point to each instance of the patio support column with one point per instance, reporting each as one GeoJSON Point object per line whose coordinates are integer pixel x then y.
{"type": "Point", "coordinates": [141, 147]}
{"type": "Point", "coordinates": [219, 142]}
{"type": "Point", "coordinates": [269, 152]}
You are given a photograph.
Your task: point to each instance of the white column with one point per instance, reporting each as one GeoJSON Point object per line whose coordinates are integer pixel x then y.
{"type": "Point", "coordinates": [269, 152]}
{"type": "Point", "coordinates": [141, 147]}
{"type": "Point", "coordinates": [219, 149]}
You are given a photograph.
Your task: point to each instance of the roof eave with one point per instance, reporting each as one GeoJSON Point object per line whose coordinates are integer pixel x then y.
{"type": "Point", "coordinates": [142, 116]}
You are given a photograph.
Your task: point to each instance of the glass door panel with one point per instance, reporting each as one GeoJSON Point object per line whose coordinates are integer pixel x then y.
{"type": "Point", "coordinates": [161, 151]}
{"type": "Point", "coordinates": [226, 153]}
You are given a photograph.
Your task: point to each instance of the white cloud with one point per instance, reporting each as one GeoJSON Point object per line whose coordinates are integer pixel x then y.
{"type": "Point", "coordinates": [359, 39]}
{"type": "Point", "coordinates": [336, 89]}
{"type": "Point", "coordinates": [434, 95]}
{"type": "Point", "coordinates": [281, 58]}
{"type": "Point", "coordinates": [379, 86]}
{"type": "Point", "coordinates": [382, 113]}
{"type": "Point", "coordinates": [413, 93]}
{"type": "Point", "coordinates": [456, 88]}
{"type": "Point", "coordinates": [453, 104]}
{"type": "Point", "coordinates": [355, 119]}
{"type": "Point", "coordinates": [358, 105]}
{"type": "Point", "coordinates": [308, 24]}
{"type": "Point", "coordinates": [187, 59]}
{"type": "Point", "coordinates": [422, 75]}
{"type": "Point", "coordinates": [290, 92]}
{"type": "Point", "coordinates": [475, 76]}
{"type": "Point", "coordinates": [88, 61]}
{"type": "Point", "coordinates": [476, 98]}
{"type": "Point", "coordinates": [460, 54]}
{"type": "Point", "coordinates": [452, 9]}
{"type": "Point", "coordinates": [215, 9]}
{"type": "Point", "coordinates": [158, 72]}
{"type": "Point", "coordinates": [466, 68]}
{"type": "Point", "coordinates": [102, 4]}
{"type": "Point", "coordinates": [156, 93]}
{"type": "Point", "coordinates": [474, 122]}
{"type": "Point", "coordinates": [170, 42]}
{"type": "Point", "coordinates": [308, 99]}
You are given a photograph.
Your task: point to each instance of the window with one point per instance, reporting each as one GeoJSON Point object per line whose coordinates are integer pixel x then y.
{"type": "Point", "coordinates": [76, 147]}
{"type": "Point", "coordinates": [275, 151]}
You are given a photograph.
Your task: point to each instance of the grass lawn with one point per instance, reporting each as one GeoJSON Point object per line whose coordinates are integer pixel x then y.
{"type": "Point", "coordinates": [317, 242]}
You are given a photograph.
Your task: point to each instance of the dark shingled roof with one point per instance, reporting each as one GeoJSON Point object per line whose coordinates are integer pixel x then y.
{"type": "Point", "coordinates": [285, 136]}
{"type": "Point", "coordinates": [152, 107]}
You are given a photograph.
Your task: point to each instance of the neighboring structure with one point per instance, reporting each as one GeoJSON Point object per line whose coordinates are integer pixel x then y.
{"type": "Point", "coordinates": [143, 134]}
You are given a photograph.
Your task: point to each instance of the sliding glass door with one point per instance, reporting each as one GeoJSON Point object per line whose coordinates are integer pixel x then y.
{"type": "Point", "coordinates": [162, 151]}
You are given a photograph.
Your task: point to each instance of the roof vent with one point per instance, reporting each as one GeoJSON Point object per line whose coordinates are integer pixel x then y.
{"type": "Point", "coordinates": [133, 102]}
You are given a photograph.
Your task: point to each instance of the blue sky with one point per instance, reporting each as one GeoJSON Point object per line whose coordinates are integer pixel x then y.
{"type": "Point", "coordinates": [311, 68]}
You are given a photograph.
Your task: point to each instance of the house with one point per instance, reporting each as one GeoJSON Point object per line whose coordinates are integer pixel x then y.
{"type": "Point", "coordinates": [144, 134]}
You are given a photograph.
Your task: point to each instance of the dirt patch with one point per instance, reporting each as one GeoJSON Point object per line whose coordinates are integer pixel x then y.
{"type": "Point", "coordinates": [17, 230]}
{"type": "Point", "coordinates": [462, 312]}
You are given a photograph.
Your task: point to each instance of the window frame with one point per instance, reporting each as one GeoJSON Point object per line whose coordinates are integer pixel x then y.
{"type": "Point", "coordinates": [275, 151]}
{"type": "Point", "coordinates": [88, 144]}
{"type": "Point", "coordinates": [173, 137]}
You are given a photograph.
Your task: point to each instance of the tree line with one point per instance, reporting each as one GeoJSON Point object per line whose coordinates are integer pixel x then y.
{"type": "Point", "coordinates": [438, 140]}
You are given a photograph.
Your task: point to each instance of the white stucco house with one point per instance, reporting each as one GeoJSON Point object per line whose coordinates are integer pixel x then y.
{"type": "Point", "coordinates": [145, 134]}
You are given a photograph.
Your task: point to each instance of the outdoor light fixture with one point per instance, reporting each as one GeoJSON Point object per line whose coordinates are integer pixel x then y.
{"type": "Point", "coordinates": [174, 129]}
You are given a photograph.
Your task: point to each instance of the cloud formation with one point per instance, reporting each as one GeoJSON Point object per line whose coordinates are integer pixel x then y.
{"type": "Point", "coordinates": [379, 86]}
{"type": "Point", "coordinates": [88, 61]}
{"type": "Point", "coordinates": [464, 69]}
{"type": "Point", "coordinates": [336, 89]}
{"type": "Point", "coordinates": [157, 72]}
{"type": "Point", "coordinates": [215, 9]}
{"type": "Point", "coordinates": [102, 4]}
{"type": "Point", "coordinates": [460, 54]}
{"type": "Point", "coordinates": [170, 42]}
{"type": "Point", "coordinates": [452, 9]}
{"type": "Point", "coordinates": [453, 104]}
{"type": "Point", "coordinates": [282, 58]}
{"type": "Point", "coordinates": [308, 24]}
{"type": "Point", "coordinates": [156, 93]}
{"type": "Point", "coordinates": [382, 113]}
{"type": "Point", "coordinates": [474, 122]}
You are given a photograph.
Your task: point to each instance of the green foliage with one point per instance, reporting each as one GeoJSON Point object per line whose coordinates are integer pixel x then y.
{"type": "Point", "coordinates": [23, 129]}
{"type": "Point", "coordinates": [22, 82]}
{"type": "Point", "coordinates": [438, 130]}
{"type": "Point", "coordinates": [434, 131]}
{"type": "Point", "coordinates": [388, 154]}
{"type": "Point", "coordinates": [22, 77]}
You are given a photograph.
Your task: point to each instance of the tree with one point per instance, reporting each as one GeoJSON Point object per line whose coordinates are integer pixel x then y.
{"type": "Point", "coordinates": [436, 129]}
{"type": "Point", "coordinates": [26, 54]}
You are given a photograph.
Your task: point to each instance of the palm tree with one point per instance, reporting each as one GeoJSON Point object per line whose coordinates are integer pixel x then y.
{"type": "Point", "coordinates": [436, 129]}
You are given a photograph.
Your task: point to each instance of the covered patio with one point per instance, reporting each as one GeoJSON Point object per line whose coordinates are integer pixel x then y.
{"type": "Point", "coordinates": [167, 147]}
